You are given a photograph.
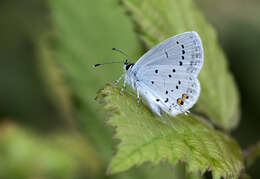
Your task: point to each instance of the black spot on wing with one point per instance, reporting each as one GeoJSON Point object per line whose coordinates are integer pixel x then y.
{"type": "Point", "coordinates": [166, 54]}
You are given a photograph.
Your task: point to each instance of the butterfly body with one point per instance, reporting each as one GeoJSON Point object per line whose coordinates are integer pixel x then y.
{"type": "Point", "coordinates": [166, 76]}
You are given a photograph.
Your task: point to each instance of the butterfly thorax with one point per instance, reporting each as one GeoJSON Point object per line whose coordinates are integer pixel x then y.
{"type": "Point", "coordinates": [129, 76]}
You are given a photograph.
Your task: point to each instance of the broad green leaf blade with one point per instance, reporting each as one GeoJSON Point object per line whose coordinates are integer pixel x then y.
{"type": "Point", "coordinates": [184, 138]}
{"type": "Point", "coordinates": [158, 20]}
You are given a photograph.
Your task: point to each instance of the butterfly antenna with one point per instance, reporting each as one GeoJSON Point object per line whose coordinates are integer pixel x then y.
{"type": "Point", "coordinates": [120, 51]}
{"type": "Point", "coordinates": [99, 64]}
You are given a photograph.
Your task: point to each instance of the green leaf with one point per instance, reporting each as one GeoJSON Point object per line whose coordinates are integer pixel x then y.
{"type": "Point", "coordinates": [53, 77]}
{"type": "Point", "coordinates": [184, 138]}
{"type": "Point", "coordinates": [158, 20]}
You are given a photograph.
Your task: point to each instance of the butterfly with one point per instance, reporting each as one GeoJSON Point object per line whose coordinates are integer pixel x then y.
{"type": "Point", "coordinates": [167, 75]}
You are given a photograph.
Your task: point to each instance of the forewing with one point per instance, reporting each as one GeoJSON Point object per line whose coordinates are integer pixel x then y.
{"type": "Point", "coordinates": [184, 51]}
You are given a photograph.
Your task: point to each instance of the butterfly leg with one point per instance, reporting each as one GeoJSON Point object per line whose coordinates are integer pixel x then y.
{"type": "Point", "coordinates": [187, 113]}
{"type": "Point", "coordinates": [118, 80]}
{"type": "Point", "coordinates": [124, 87]}
{"type": "Point", "coordinates": [138, 96]}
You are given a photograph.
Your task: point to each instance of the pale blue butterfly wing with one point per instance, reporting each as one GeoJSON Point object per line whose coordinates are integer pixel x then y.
{"type": "Point", "coordinates": [168, 71]}
{"type": "Point", "coordinates": [183, 50]}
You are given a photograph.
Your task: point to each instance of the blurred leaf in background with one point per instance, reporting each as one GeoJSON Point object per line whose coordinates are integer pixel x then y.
{"type": "Point", "coordinates": [22, 90]}
{"type": "Point", "coordinates": [24, 154]}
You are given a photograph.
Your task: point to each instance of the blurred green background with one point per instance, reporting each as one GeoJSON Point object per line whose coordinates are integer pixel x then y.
{"type": "Point", "coordinates": [51, 126]}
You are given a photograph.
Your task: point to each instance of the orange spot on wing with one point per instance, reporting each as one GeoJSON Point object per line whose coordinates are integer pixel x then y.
{"type": "Point", "coordinates": [179, 101]}
{"type": "Point", "coordinates": [184, 96]}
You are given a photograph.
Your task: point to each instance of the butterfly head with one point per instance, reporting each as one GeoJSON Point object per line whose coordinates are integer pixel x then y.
{"type": "Point", "coordinates": [128, 65]}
